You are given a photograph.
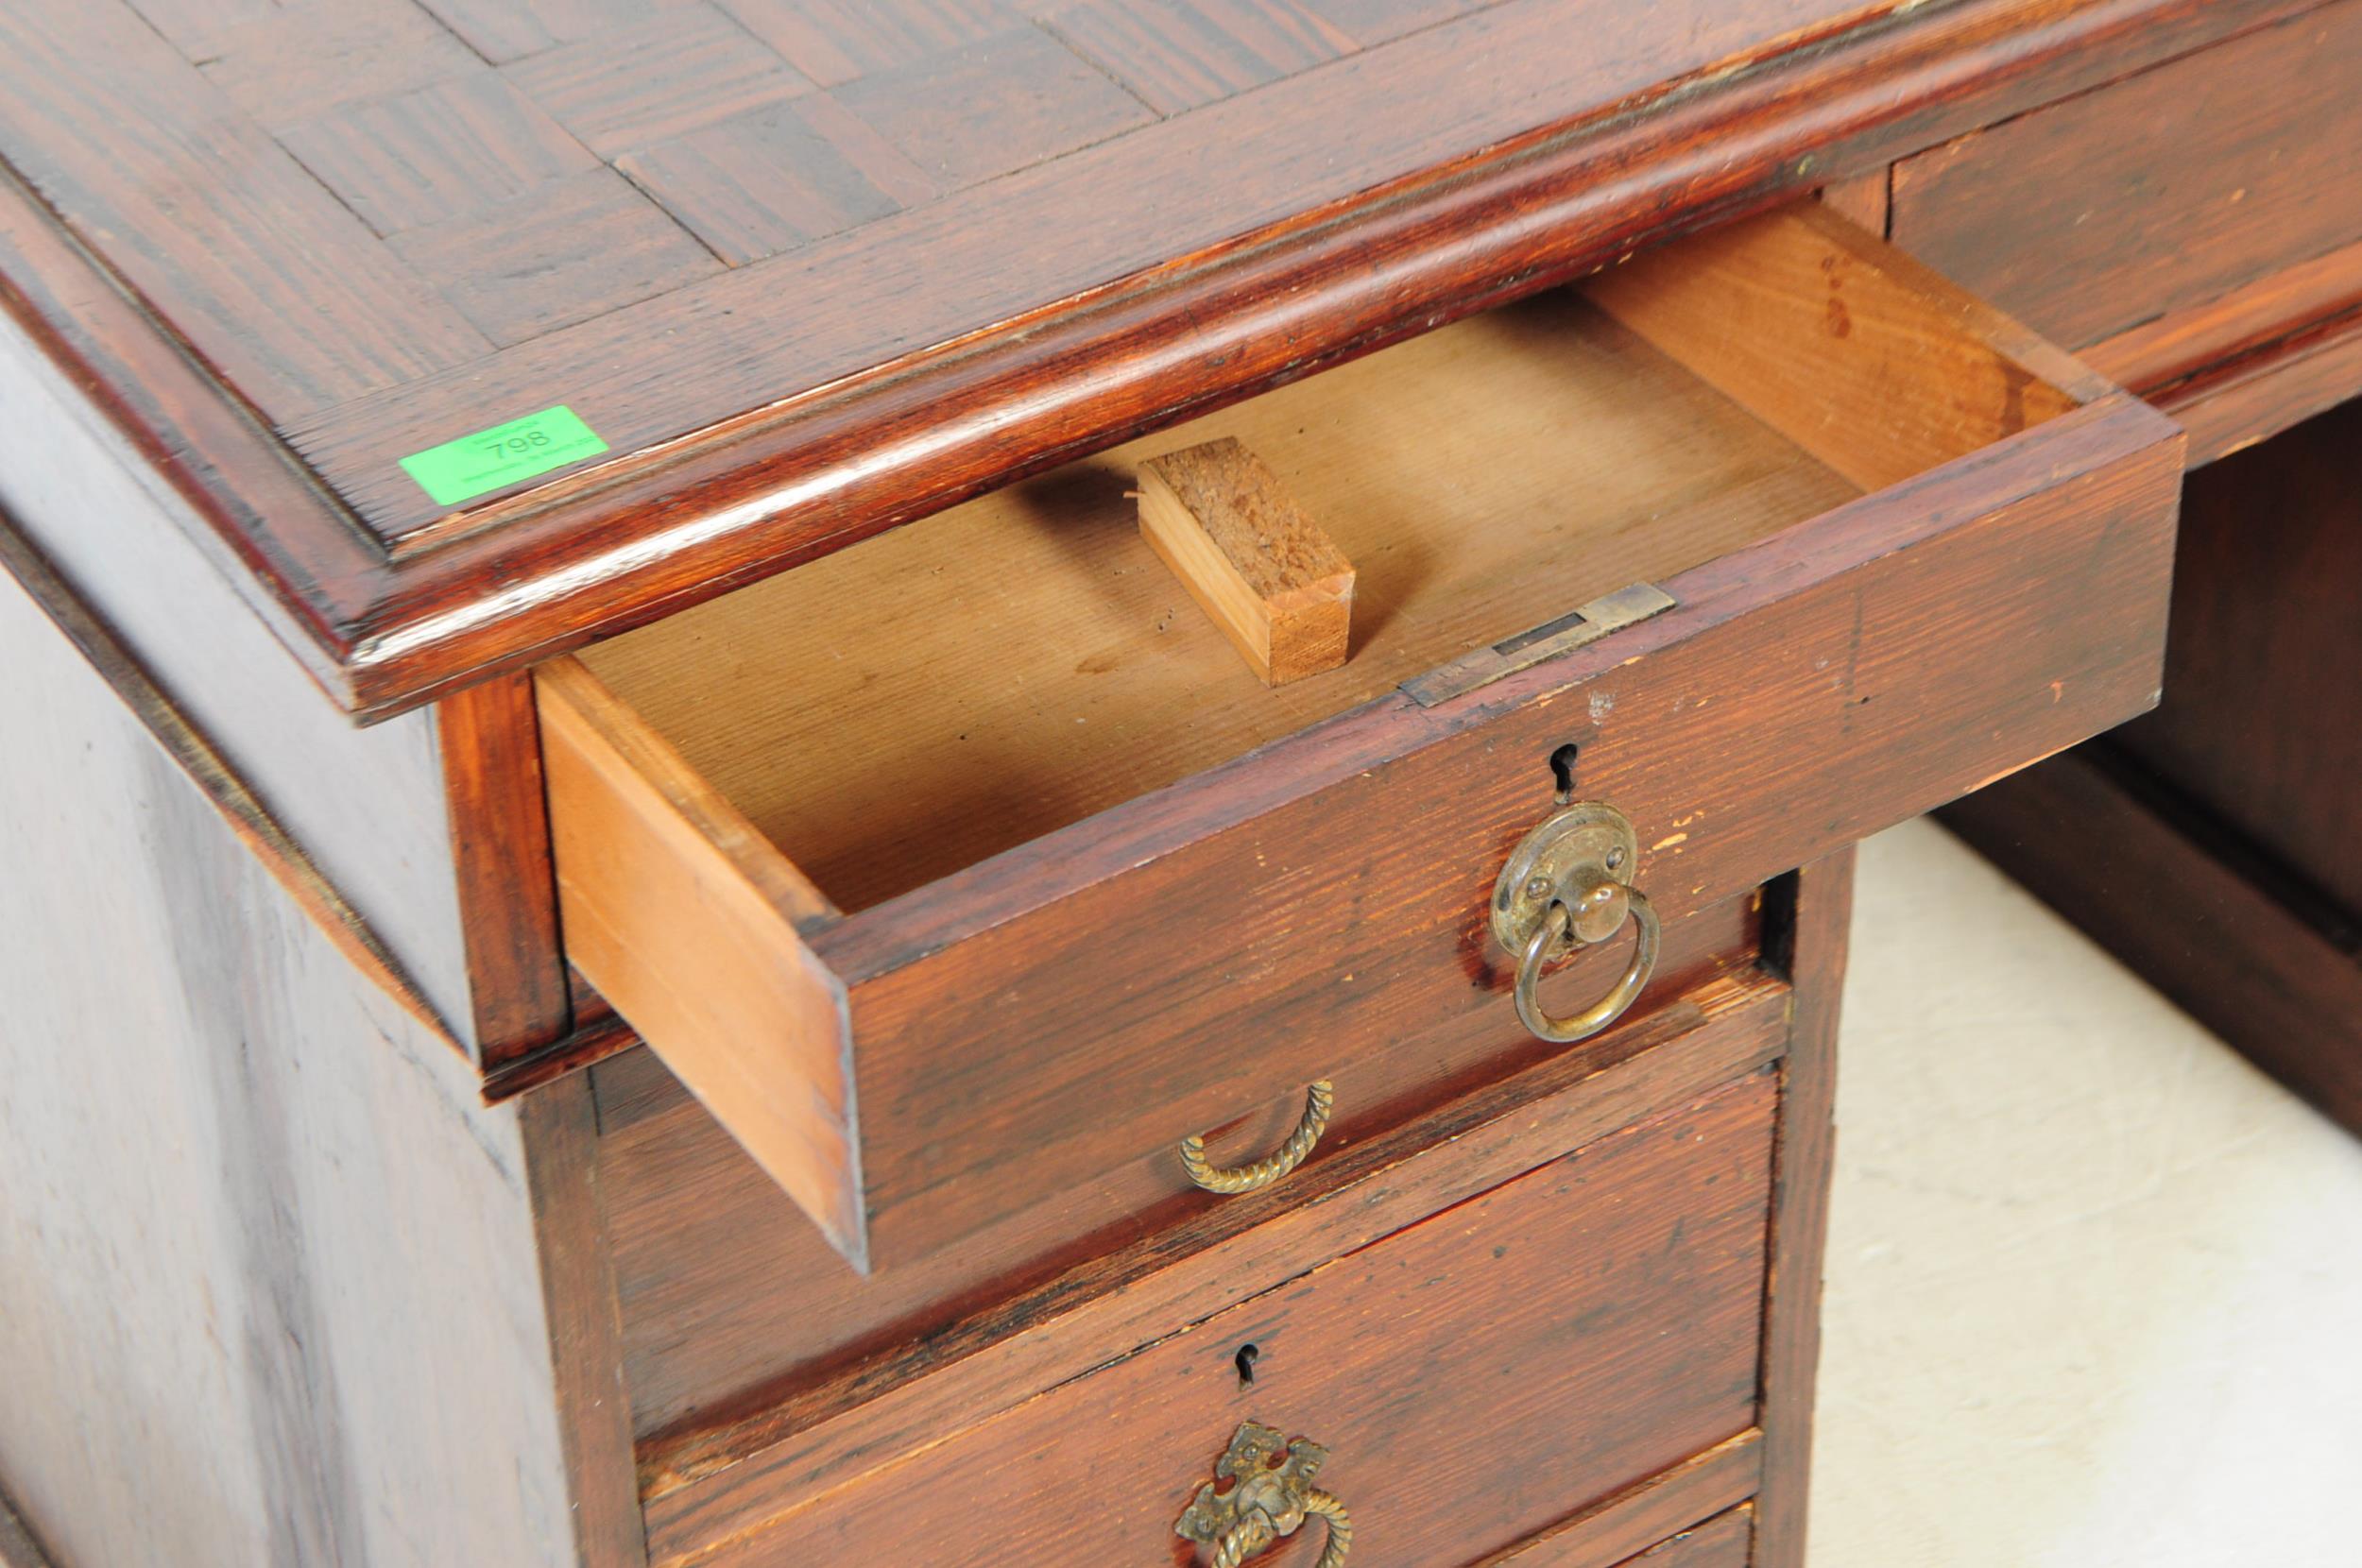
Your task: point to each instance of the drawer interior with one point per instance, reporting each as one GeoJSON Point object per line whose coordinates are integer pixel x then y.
{"type": "Point", "coordinates": [919, 702]}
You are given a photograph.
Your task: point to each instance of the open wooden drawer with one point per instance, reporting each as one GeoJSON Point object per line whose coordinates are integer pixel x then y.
{"type": "Point", "coordinates": [970, 861]}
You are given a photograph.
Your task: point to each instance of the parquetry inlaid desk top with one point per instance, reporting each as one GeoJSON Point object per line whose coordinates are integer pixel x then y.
{"type": "Point", "coordinates": [808, 270]}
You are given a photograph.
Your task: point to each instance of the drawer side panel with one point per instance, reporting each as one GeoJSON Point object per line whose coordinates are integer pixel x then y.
{"type": "Point", "coordinates": [685, 918]}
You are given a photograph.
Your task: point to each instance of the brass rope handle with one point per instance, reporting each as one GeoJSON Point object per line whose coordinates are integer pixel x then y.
{"type": "Point", "coordinates": [1559, 928]}
{"type": "Point", "coordinates": [1262, 1489]}
{"type": "Point", "coordinates": [1246, 1540]}
{"type": "Point", "coordinates": [1319, 1101]}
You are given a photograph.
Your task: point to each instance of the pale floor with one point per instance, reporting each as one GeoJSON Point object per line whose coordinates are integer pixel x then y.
{"type": "Point", "coordinates": [2094, 1284]}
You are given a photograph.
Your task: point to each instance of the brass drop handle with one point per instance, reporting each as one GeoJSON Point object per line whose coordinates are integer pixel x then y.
{"type": "Point", "coordinates": [1268, 1496]}
{"type": "Point", "coordinates": [1569, 886]}
{"type": "Point", "coordinates": [1560, 932]}
{"type": "Point", "coordinates": [1319, 1101]}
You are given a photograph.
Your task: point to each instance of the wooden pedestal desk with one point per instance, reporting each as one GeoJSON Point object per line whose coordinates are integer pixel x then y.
{"type": "Point", "coordinates": [955, 783]}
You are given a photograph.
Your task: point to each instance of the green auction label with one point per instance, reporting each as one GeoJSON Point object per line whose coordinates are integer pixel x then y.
{"type": "Point", "coordinates": [480, 464]}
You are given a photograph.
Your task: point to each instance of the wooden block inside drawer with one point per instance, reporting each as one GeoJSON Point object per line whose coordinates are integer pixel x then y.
{"type": "Point", "coordinates": [1047, 882]}
{"type": "Point", "coordinates": [1273, 581]}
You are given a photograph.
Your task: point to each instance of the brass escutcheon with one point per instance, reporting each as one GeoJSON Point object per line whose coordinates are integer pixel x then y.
{"type": "Point", "coordinates": [1569, 886]}
{"type": "Point", "coordinates": [1269, 1496]}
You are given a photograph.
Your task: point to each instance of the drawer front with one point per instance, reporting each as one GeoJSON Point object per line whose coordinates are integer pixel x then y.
{"type": "Point", "coordinates": [1477, 1377]}
{"type": "Point", "coordinates": [2156, 194]}
{"type": "Point", "coordinates": [921, 1069]}
{"type": "Point", "coordinates": [727, 1289]}
{"type": "Point", "coordinates": [752, 1452]}
{"type": "Point", "coordinates": [1726, 1541]}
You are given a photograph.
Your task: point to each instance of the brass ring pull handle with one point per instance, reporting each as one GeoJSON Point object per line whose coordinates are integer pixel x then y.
{"type": "Point", "coordinates": [1268, 1496]}
{"type": "Point", "coordinates": [1607, 1009]}
{"type": "Point", "coordinates": [1569, 886]}
{"type": "Point", "coordinates": [1319, 1101]}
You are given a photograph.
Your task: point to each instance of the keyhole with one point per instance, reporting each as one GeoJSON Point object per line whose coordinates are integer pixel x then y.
{"type": "Point", "coordinates": [1563, 767]}
{"type": "Point", "coordinates": [1245, 1360]}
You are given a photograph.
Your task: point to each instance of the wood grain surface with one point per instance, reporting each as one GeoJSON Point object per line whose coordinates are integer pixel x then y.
{"type": "Point", "coordinates": [1871, 364]}
{"type": "Point", "coordinates": [2157, 356]}
{"type": "Point", "coordinates": [770, 1448]}
{"type": "Point", "coordinates": [370, 810]}
{"type": "Point", "coordinates": [489, 740]}
{"type": "Point", "coordinates": [732, 1299]}
{"type": "Point", "coordinates": [1490, 477]}
{"type": "Point", "coordinates": [1726, 1541]}
{"type": "Point", "coordinates": [268, 1281]}
{"type": "Point", "coordinates": [1862, 200]}
{"type": "Point", "coordinates": [2257, 396]}
{"type": "Point", "coordinates": [1304, 218]}
{"type": "Point", "coordinates": [1961, 628]}
{"type": "Point", "coordinates": [1702, 785]}
{"type": "Point", "coordinates": [276, 282]}
{"type": "Point", "coordinates": [1809, 919]}
{"type": "Point", "coordinates": [687, 919]}
{"type": "Point", "coordinates": [2243, 366]}
{"type": "Point", "coordinates": [557, 1132]}
{"type": "Point", "coordinates": [245, 813]}
{"type": "Point", "coordinates": [2217, 850]}
{"type": "Point", "coordinates": [17, 1547]}
{"type": "Point", "coordinates": [1606, 1373]}
{"type": "Point", "coordinates": [2157, 193]}
{"type": "Point", "coordinates": [1020, 226]}
{"type": "Point", "coordinates": [1605, 1534]}
{"type": "Point", "coordinates": [2264, 669]}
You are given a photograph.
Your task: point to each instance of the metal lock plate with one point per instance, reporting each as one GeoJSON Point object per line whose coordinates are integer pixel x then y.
{"type": "Point", "coordinates": [1583, 855]}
